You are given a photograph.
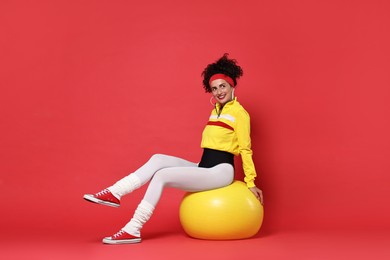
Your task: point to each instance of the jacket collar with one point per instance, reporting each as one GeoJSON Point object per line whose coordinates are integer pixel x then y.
{"type": "Point", "coordinates": [228, 104]}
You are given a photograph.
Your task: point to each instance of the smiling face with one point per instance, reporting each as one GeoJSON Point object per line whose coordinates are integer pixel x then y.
{"type": "Point", "coordinates": [222, 91]}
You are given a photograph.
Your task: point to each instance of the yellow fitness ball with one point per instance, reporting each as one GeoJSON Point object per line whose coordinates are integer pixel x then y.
{"type": "Point", "coordinates": [231, 212]}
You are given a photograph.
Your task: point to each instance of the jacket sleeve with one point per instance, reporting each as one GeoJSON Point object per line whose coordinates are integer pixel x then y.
{"type": "Point", "coordinates": [244, 143]}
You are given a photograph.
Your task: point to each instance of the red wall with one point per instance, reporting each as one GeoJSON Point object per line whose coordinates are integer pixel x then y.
{"type": "Point", "coordinates": [91, 89]}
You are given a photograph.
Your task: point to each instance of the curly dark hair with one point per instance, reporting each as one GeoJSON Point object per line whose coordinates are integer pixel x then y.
{"type": "Point", "coordinates": [223, 65]}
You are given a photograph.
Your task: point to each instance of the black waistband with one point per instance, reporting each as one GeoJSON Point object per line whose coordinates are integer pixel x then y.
{"type": "Point", "coordinates": [211, 157]}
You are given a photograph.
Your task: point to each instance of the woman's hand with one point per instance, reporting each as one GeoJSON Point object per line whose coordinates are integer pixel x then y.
{"type": "Point", "coordinates": [258, 193]}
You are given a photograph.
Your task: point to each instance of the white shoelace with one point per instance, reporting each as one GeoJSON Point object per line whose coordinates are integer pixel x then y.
{"type": "Point", "coordinates": [119, 233]}
{"type": "Point", "coordinates": [103, 192]}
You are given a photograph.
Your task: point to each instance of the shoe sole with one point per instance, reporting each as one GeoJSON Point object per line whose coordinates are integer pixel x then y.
{"type": "Point", "coordinates": [123, 241]}
{"type": "Point", "coordinates": [93, 199]}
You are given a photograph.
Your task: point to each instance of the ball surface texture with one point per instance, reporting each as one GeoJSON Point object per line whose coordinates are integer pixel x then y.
{"type": "Point", "coordinates": [231, 212]}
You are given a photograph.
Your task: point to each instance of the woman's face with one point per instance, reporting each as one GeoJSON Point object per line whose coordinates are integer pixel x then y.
{"type": "Point", "coordinates": [221, 91]}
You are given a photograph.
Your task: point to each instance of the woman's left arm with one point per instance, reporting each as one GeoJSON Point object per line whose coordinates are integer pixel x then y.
{"type": "Point", "coordinates": [244, 143]}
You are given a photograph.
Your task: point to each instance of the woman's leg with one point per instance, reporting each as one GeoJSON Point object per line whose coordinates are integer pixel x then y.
{"type": "Point", "coordinates": [189, 179]}
{"type": "Point", "coordinates": [111, 196]}
{"type": "Point", "coordinates": [185, 178]}
{"type": "Point", "coordinates": [146, 172]}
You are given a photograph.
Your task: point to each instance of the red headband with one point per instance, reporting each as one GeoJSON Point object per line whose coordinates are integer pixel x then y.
{"type": "Point", "coordinates": [222, 76]}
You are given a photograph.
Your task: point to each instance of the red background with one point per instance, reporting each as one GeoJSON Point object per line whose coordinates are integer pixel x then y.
{"type": "Point", "coordinates": [91, 89]}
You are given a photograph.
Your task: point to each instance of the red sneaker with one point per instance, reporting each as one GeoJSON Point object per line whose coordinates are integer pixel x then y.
{"type": "Point", "coordinates": [104, 197]}
{"type": "Point", "coordinates": [121, 237]}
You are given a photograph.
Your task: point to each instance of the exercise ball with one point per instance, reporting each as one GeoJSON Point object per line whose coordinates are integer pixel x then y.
{"type": "Point", "coordinates": [231, 212]}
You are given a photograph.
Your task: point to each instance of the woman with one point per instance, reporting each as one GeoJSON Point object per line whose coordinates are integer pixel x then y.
{"type": "Point", "coordinates": [226, 134]}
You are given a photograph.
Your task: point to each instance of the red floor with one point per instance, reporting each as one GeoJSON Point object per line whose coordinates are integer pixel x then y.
{"type": "Point", "coordinates": [165, 245]}
{"type": "Point", "coordinates": [73, 229]}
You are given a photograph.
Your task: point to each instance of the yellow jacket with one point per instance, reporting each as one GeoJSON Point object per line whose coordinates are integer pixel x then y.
{"type": "Point", "coordinates": [229, 130]}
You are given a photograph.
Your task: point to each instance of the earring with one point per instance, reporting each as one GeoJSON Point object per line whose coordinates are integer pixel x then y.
{"type": "Point", "coordinates": [211, 101]}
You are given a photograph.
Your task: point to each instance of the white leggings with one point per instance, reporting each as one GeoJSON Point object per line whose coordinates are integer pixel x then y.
{"type": "Point", "coordinates": [170, 171]}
